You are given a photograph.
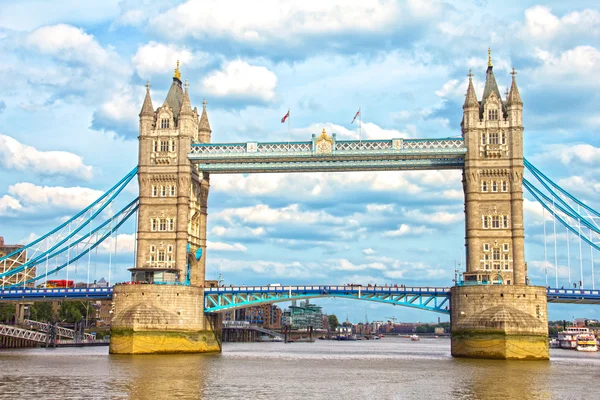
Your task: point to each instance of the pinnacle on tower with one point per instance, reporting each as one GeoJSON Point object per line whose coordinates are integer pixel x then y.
{"type": "Point", "coordinates": [514, 97]}
{"type": "Point", "coordinates": [186, 106]}
{"type": "Point", "coordinates": [471, 97]}
{"type": "Point", "coordinates": [204, 126]}
{"type": "Point", "coordinates": [175, 95]}
{"type": "Point", "coordinates": [147, 108]}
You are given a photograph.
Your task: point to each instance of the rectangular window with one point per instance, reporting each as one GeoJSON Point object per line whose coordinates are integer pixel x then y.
{"type": "Point", "coordinates": [497, 266]}
{"type": "Point", "coordinates": [171, 224]}
{"type": "Point", "coordinates": [163, 191]}
{"type": "Point", "coordinates": [169, 249]}
{"type": "Point", "coordinates": [169, 258]}
{"type": "Point", "coordinates": [503, 138]}
{"type": "Point", "coordinates": [162, 224]}
{"type": "Point", "coordinates": [161, 255]}
{"type": "Point", "coordinates": [154, 191]}
{"type": "Point", "coordinates": [505, 247]}
{"type": "Point", "coordinates": [164, 145]}
{"type": "Point", "coordinates": [483, 139]}
{"type": "Point", "coordinates": [172, 190]}
{"type": "Point", "coordinates": [486, 266]}
{"type": "Point", "coordinates": [496, 254]}
{"type": "Point", "coordinates": [504, 186]}
{"type": "Point", "coordinates": [486, 247]}
{"type": "Point", "coordinates": [494, 186]}
{"type": "Point", "coordinates": [495, 222]}
{"type": "Point", "coordinates": [164, 123]}
{"type": "Point", "coordinates": [506, 257]}
{"type": "Point", "coordinates": [154, 146]}
{"type": "Point", "coordinates": [172, 145]}
{"type": "Point", "coordinates": [505, 221]}
{"type": "Point", "coordinates": [484, 186]}
{"type": "Point", "coordinates": [486, 257]}
{"type": "Point", "coordinates": [485, 222]}
{"type": "Point", "coordinates": [152, 258]}
{"type": "Point", "coordinates": [493, 138]}
{"type": "Point", "coordinates": [152, 249]}
{"type": "Point", "coordinates": [492, 115]}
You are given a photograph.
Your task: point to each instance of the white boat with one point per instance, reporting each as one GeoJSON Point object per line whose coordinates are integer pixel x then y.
{"type": "Point", "coordinates": [554, 343]}
{"type": "Point", "coordinates": [587, 342]}
{"type": "Point", "coordinates": [414, 338]}
{"type": "Point", "coordinates": [568, 338]}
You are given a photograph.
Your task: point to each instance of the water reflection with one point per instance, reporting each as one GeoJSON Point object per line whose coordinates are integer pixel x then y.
{"type": "Point", "coordinates": [164, 377]}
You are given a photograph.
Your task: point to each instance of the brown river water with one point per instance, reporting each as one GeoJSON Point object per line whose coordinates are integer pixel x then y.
{"type": "Point", "coordinates": [391, 368]}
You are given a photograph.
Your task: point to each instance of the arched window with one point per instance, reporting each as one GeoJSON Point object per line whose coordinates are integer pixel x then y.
{"type": "Point", "coordinates": [154, 191]}
{"type": "Point", "coordinates": [504, 186]}
{"type": "Point", "coordinates": [172, 190]}
{"type": "Point", "coordinates": [163, 191]}
{"type": "Point", "coordinates": [494, 186]}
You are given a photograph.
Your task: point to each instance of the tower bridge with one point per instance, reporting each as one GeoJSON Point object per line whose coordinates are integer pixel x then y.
{"type": "Point", "coordinates": [495, 313]}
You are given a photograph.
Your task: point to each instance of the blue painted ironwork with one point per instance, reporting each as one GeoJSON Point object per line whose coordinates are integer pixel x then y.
{"type": "Point", "coordinates": [55, 294]}
{"type": "Point", "coordinates": [57, 242]}
{"type": "Point", "coordinates": [349, 155]}
{"type": "Point", "coordinates": [424, 298]}
{"type": "Point", "coordinates": [101, 232]}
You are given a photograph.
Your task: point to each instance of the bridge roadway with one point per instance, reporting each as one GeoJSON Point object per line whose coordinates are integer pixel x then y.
{"type": "Point", "coordinates": [227, 298]}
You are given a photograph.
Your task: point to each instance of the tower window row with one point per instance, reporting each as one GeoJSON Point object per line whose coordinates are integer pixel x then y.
{"type": "Point", "coordinates": [163, 145]}
{"type": "Point", "coordinates": [162, 224]}
{"type": "Point", "coordinates": [493, 115]}
{"type": "Point", "coordinates": [164, 123]}
{"type": "Point", "coordinates": [494, 221]}
{"type": "Point", "coordinates": [164, 191]}
{"type": "Point", "coordinates": [505, 247]}
{"type": "Point", "coordinates": [494, 186]}
{"type": "Point", "coordinates": [493, 138]}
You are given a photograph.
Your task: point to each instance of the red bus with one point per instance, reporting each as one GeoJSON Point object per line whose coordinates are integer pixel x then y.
{"type": "Point", "coordinates": [59, 283]}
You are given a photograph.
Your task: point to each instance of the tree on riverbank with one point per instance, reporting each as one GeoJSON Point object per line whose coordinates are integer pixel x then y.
{"type": "Point", "coordinates": [333, 322]}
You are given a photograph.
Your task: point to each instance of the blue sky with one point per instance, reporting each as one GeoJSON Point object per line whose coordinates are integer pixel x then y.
{"type": "Point", "coordinates": [71, 86]}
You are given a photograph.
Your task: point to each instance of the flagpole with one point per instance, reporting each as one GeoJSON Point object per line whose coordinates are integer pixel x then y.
{"type": "Point", "coordinates": [359, 125]}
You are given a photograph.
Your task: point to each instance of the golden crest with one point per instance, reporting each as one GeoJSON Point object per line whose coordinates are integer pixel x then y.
{"type": "Point", "coordinates": [324, 144]}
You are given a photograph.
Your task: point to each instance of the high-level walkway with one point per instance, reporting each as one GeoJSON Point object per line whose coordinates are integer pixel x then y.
{"type": "Point", "coordinates": [227, 298]}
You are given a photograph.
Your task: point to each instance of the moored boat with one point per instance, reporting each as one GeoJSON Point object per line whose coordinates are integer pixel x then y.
{"type": "Point", "coordinates": [568, 337]}
{"type": "Point", "coordinates": [586, 342]}
{"type": "Point", "coordinates": [414, 338]}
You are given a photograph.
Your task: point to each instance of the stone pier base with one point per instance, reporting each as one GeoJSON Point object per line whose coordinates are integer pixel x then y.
{"type": "Point", "coordinates": [152, 319]}
{"type": "Point", "coordinates": [499, 322]}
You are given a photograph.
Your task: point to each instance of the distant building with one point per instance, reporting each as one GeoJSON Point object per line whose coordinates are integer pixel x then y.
{"type": "Point", "coordinates": [268, 316]}
{"type": "Point", "coordinates": [304, 316]}
{"type": "Point", "coordinates": [14, 262]}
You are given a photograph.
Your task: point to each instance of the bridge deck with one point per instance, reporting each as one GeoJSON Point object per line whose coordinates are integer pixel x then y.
{"type": "Point", "coordinates": [349, 155]}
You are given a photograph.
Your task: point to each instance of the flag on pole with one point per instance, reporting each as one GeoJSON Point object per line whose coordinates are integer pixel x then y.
{"type": "Point", "coordinates": [285, 117]}
{"type": "Point", "coordinates": [355, 115]}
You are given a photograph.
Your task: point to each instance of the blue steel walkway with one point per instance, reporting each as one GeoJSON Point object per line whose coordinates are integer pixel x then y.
{"type": "Point", "coordinates": [227, 298]}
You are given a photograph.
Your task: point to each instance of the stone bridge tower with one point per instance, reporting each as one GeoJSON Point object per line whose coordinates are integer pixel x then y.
{"type": "Point", "coordinates": [495, 314]}
{"type": "Point", "coordinates": [165, 314]}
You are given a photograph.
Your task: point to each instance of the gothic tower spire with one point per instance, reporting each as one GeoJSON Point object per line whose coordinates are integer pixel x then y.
{"type": "Point", "coordinates": [147, 108]}
{"type": "Point", "coordinates": [204, 130]}
{"type": "Point", "coordinates": [513, 96]}
{"type": "Point", "coordinates": [471, 98]}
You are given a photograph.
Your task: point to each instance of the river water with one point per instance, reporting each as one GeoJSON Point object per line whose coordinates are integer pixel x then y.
{"type": "Point", "coordinates": [391, 368]}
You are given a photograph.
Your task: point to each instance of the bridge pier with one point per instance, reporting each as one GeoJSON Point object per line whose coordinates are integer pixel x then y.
{"type": "Point", "coordinates": [151, 319]}
{"type": "Point", "coordinates": [506, 322]}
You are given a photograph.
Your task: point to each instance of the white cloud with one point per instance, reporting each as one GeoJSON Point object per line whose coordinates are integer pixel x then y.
{"type": "Point", "coordinates": [68, 43]}
{"type": "Point", "coordinates": [240, 80]}
{"type": "Point", "coordinates": [380, 207]}
{"type": "Point", "coordinates": [8, 205]}
{"type": "Point", "coordinates": [29, 194]}
{"type": "Point", "coordinates": [125, 244]}
{"type": "Point", "coordinates": [541, 24]}
{"type": "Point", "coordinates": [219, 246]}
{"type": "Point", "coordinates": [120, 113]}
{"type": "Point", "coordinates": [238, 232]}
{"type": "Point", "coordinates": [368, 251]}
{"type": "Point", "coordinates": [408, 230]}
{"type": "Point", "coordinates": [154, 58]}
{"type": "Point", "coordinates": [437, 217]}
{"type": "Point", "coordinates": [265, 215]}
{"type": "Point", "coordinates": [568, 153]}
{"type": "Point", "coordinates": [346, 265]}
{"type": "Point", "coordinates": [268, 270]}
{"type": "Point", "coordinates": [568, 67]}
{"type": "Point", "coordinates": [15, 155]}
{"type": "Point", "coordinates": [273, 20]}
